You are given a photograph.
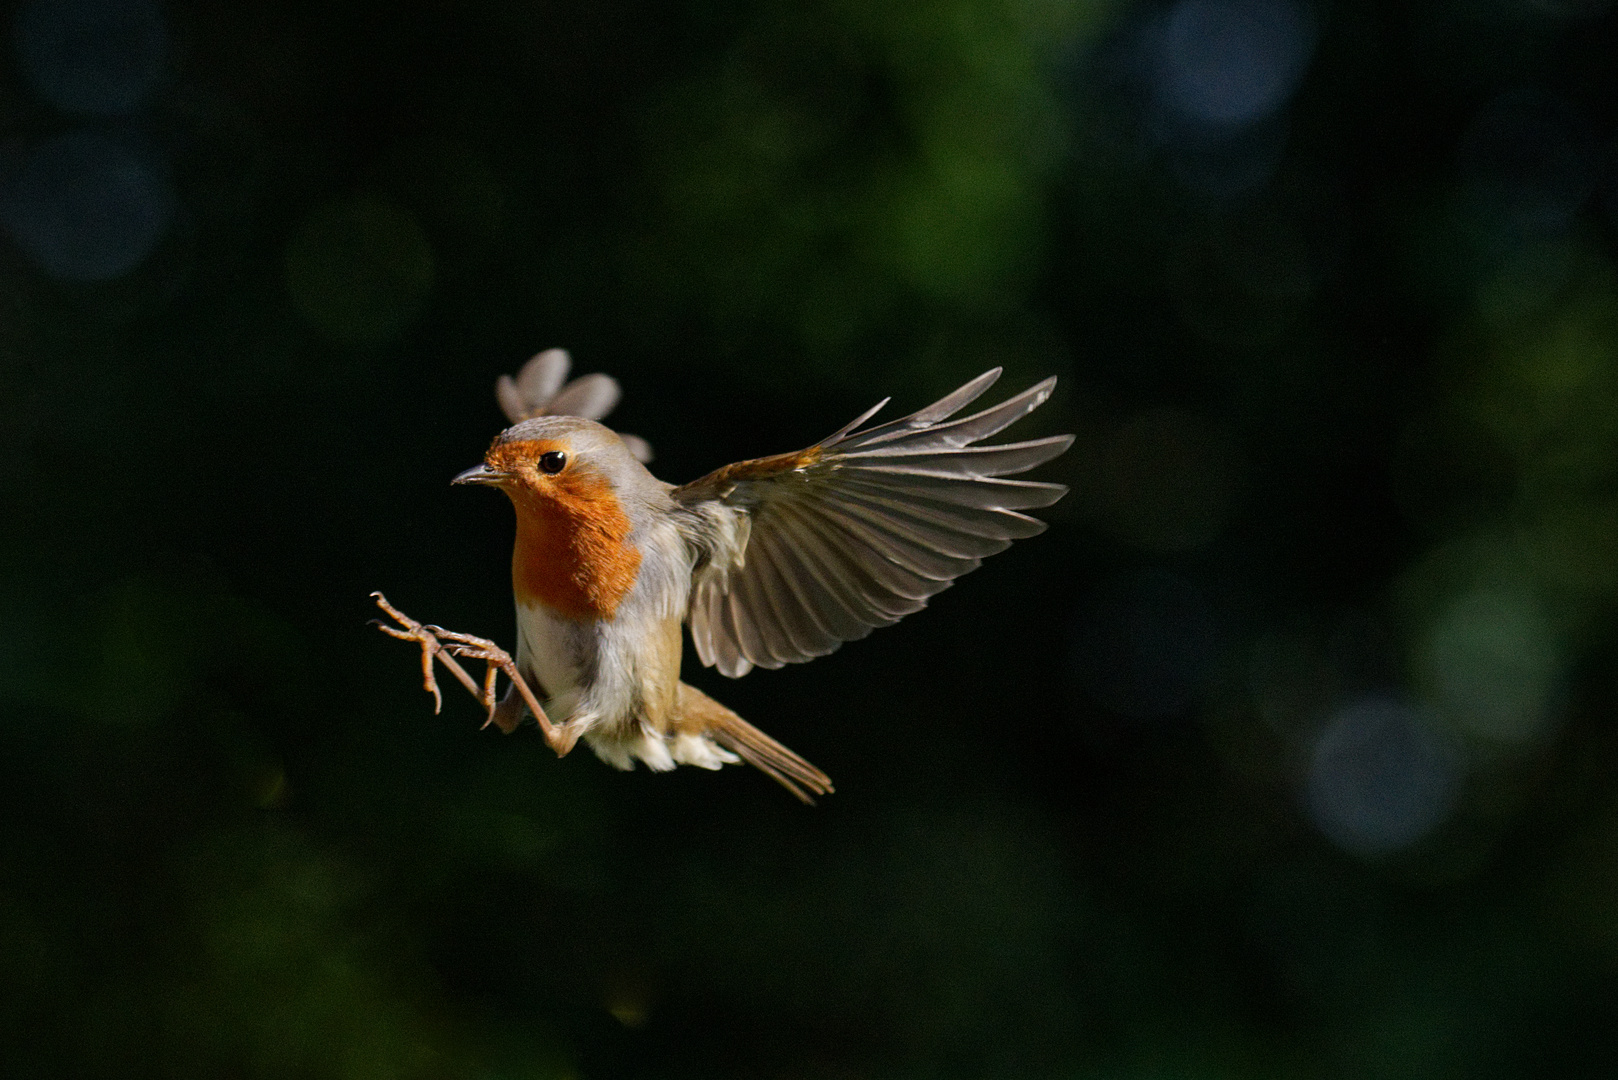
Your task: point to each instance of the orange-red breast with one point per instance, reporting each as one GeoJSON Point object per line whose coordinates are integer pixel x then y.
{"type": "Point", "coordinates": [771, 561]}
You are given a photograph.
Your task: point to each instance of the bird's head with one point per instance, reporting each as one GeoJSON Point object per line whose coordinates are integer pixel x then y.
{"type": "Point", "coordinates": [561, 465]}
{"type": "Point", "coordinates": [579, 495]}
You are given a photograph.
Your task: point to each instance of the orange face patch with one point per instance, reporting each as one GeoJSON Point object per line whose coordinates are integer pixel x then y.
{"type": "Point", "coordinates": [572, 553]}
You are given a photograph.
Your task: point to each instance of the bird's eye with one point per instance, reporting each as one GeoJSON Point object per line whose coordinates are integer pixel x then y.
{"type": "Point", "coordinates": [553, 461]}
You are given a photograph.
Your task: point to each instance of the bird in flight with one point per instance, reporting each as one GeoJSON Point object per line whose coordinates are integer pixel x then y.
{"type": "Point", "coordinates": [771, 561]}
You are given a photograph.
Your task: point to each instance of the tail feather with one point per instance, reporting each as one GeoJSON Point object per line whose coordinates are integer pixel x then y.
{"type": "Point", "coordinates": [701, 713]}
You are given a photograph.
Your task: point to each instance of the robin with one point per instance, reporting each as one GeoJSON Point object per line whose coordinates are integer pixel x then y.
{"type": "Point", "coordinates": [771, 561]}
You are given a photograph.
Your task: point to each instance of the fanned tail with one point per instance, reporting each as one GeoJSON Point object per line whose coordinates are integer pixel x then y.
{"type": "Point", "coordinates": [701, 714]}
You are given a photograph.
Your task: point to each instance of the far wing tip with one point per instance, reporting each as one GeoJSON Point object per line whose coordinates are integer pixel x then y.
{"type": "Point", "coordinates": [843, 431]}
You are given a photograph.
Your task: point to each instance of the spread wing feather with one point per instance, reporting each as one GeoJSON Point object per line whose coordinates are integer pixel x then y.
{"type": "Point", "coordinates": [861, 529]}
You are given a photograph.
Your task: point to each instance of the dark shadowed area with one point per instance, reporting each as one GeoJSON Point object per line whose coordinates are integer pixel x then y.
{"type": "Point", "coordinates": [1289, 751]}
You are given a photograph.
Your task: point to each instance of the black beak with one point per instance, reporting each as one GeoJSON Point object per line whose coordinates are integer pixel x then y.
{"type": "Point", "coordinates": [479, 474]}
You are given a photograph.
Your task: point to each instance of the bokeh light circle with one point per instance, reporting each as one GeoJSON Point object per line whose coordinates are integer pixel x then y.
{"type": "Point", "coordinates": [100, 57]}
{"type": "Point", "coordinates": [88, 206]}
{"type": "Point", "coordinates": [1381, 776]}
{"type": "Point", "coordinates": [359, 270]}
{"type": "Point", "coordinates": [1232, 62]}
{"type": "Point", "coordinates": [1495, 665]}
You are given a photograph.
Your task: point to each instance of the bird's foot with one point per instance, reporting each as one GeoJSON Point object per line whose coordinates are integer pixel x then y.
{"type": "Point", "coordinates": [411, 630]}
{"type": "Point", "coordinates": [501, 714]}
{"type": "Point", "coordinates": [445, 645]}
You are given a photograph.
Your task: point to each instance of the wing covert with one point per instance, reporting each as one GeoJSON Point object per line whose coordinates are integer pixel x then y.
{"type": "Point", "coordinates": [816, 548]}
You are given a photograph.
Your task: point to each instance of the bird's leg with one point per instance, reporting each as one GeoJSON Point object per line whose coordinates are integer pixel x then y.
{"type": "Point", "coordinates": [444, 645]}
{"type": "Point", "coordinates": [500, 714]}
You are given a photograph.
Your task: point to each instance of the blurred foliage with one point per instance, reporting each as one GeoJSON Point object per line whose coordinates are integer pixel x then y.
{"type": "Point", "coordinates": [1287, 752]}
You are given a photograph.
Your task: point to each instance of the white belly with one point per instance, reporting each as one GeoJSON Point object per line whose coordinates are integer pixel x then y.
{"type": "Point", "coordinates": [557, 652]}
{"type": "Point", "coordinates": [590, 671]}
{"type": "Point", "coordinates": [586, 667]}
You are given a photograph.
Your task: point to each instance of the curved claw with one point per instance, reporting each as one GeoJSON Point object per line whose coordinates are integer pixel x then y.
{"type": "Point", "coordinates": [423, 636]}
{"type": "Point", "coordinates": [445, 646]}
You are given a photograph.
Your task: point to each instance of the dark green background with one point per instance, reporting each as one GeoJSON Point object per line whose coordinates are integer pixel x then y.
{"type": "Point", "coordinates": [1318, 418]}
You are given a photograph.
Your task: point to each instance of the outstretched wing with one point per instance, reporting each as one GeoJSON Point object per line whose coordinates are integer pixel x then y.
{"type": "Point", "coordinates": [806, 551]}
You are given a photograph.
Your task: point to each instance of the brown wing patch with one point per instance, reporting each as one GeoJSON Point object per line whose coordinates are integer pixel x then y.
{"type": "Point", "coordinates": [721, 482]}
